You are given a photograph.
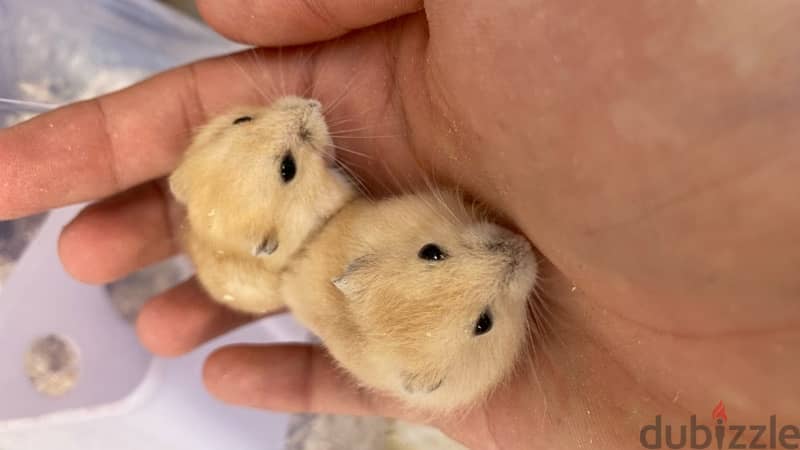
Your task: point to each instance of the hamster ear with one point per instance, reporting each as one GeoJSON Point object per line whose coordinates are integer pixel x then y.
{"type": "Point", "coordinates": [349, 282]}
{"type": "Point", "coordinates": [178, 185]}
{"type": "Point", "coordinates": [267, 246]}
{"type": "Point", "coordinates": [180, 180]}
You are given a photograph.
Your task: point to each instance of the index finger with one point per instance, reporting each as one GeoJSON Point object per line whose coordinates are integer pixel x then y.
{"type": "Point", "coordinates": [102, 146]}
{"type": "Point", "coordinates": [106, 145]}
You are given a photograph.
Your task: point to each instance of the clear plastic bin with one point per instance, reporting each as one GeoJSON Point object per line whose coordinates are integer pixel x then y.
{"type": "Point", "coordinates": [117, 395]}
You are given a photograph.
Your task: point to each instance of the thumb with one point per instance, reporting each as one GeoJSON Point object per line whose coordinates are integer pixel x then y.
{"type": "Point", "coordinates": [291, 22]}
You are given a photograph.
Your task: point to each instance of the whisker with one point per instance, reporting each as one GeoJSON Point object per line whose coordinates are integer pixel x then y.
{"type": "Point", "coordinates": [363, 112]}
{"type": "Point", "coordinates": [251, 61]}
{"type": "Point", "coordinates": [436, 194]}
{"type": "Point", "coordinates": [359, 124]}
{"type": "Point", "coordinates": [341, 121]}
{"type": "Point", "coordinates": [248, 76]}
{"type": "Point", "coordinates": [349, 130]}
{"type": "Point", "coordinates": [429, 204]}
{"type": "Point", "coordinates": [307, 91]}
{"type": "Point", "coordinates": [384, 136]}
{"type": "Point", "coordinates": [393, 184]}
{"type": "Point", "coordinates": [337, 101]}
{"type": "Point", "coordinates": [321, 68]}
{"type": "Point", "coordinates": [284, 91]}
{"type": "Point", "coordinates": [260, 62]}
{"type": "Point", "coordinates": [331, 106]}
{"type": "Point", "coordinates": [345, 131]}
{"type": "Point", "coordinates": [308, 54]}
{"type": "Point", "coordinates": [397, 183]}
{"type": "Point", "coordinates": [351, 151]}
{"type": "Point", "coordinates": [352, 131]}
{"type": "Point", "coordinates": [360, 185]}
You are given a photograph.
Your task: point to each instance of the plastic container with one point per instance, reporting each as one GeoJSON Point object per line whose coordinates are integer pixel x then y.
{"type": "Point", "coordinates": [109, 392]}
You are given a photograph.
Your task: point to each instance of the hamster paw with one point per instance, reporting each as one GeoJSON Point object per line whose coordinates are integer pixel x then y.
{"type": "Point", "coordinates": [420, 383]}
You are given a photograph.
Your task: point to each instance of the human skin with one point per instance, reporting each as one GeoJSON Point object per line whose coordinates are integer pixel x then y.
{"type": "Point", "coordinates": [648, 150]}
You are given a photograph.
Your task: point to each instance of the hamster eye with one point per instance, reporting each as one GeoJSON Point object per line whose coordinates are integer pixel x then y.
{"type": "Point", "coordinates": [484, 323]}
{"type": "Point", "coordinates": [242, 119]}
{"type": "Point", "coordinates": [288, 167]}
{"type": "Point", "coordinates": [431, 252]}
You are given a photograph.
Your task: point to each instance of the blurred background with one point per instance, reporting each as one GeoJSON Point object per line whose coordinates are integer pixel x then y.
{"type": "Point", "coordinates": [186, 6]}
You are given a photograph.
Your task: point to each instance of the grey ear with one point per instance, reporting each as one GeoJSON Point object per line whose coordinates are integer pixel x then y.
{"type": "Point", "coordinates": [267, 246]}
{"type": "Point", "coordinates": [348, 281]}
{"type": "Point", "coordinates": [420, 384]}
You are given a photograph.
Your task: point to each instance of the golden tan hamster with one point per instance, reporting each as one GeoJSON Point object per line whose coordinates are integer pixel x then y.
{"type": "Point", "coordinates": [418, 296]}
{"type": "Point", "coordinates": [256, 182]}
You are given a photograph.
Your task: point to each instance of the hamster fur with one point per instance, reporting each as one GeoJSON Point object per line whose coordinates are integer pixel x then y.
{"type": "Point", "coordinates": [418, 296]}
{"type": "Point", "coordinates": [255, 183]}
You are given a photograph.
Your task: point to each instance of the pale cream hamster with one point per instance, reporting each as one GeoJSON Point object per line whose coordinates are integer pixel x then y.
{"type": "Point", "coordinates": [418, 296]}
{"type": "Point", "coordinates": [255, 183]}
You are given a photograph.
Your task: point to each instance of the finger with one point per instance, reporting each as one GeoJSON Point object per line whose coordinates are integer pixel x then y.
{"type": "Point", "coordinates": [118, 236]}
{"type": "Point", "coordinates": [290, 22]}
{"type": "Point", "coordinates": [182, 318]}
{"type": "Point", "coordinates": [290, 378]}
{"type": "Point", "coordinates": [103, 146]}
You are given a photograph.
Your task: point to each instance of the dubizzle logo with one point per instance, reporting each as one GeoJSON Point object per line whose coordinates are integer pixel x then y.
{"type": "Point", "coordinates": [724, 436]}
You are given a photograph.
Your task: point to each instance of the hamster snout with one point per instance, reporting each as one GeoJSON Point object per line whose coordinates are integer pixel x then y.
{"type": "Point", "coordinates": [513, 250]}
{"type": "Point", "coordinates": [311, 128]}
{"type": "Point", "coordinates": [309, 120]}
{"type": "Point", "coordinates": [511, 246]}
{"type": "Point", "coordinates": [292, 102]}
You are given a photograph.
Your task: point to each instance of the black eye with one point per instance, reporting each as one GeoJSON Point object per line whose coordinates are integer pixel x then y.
{"type": "Point", "coordinates": [431, 252]}
{"type": "Point", "coordinates": [288, 168]}
{"type": "Point", "coordinates": [242, 119]}
{"type": "Point", "coordinates": [484, 323]}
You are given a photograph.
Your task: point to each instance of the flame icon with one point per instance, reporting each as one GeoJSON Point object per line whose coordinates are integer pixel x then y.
{"type": "Point", "coordinates": [718, 413]}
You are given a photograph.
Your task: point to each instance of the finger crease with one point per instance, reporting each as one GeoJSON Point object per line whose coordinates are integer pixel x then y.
{"type": "Point", "coordinates": [110, 147]}
{"type": "Point", "coordinates": [490, 429]}
{"type": "Point", "coordinates": [165, 212]}
{"type": "Point", "coordinates": [309, 381]}
{"type": "Point", "coordinates": [193, 102]}
{"type": "Point", "coordinates": [324, 16]}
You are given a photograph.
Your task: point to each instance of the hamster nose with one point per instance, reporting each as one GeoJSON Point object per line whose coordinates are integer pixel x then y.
{"type": "Point", "coordinates": [498, 246]}
{"type": "Point", "coordinates": [314, 104]}
{"type": "Point", "coordinates": [508, 244]}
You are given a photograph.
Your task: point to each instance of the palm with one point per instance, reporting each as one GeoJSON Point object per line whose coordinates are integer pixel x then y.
{"type": "Point", "coordinates": [643, 331]}
{"type": "Point", "coordinates": [553, 114]}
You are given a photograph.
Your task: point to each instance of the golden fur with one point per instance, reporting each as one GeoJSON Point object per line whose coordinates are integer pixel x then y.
{"type": "Point", "coordinates": [239, 209]}
{"type": "Point", "coordinates": [402, 324]}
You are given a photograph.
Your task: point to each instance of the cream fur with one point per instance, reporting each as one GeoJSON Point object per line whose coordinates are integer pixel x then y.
{"type": "Point", "coordinates": [229, 181]}
{"type": "Point", "coordinates": [404, 325]}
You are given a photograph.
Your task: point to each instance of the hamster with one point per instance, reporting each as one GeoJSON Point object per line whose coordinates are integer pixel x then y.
{"type": "Point", "coordinates": [255, 183]}
{"type": "Point", "coordinates": [418, 296]}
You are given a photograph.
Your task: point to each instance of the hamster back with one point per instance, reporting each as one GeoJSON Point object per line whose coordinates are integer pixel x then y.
{"type": "Point", "coordinates": [256, 182]}
{"type": "Point", "coordinates": [418, 296]}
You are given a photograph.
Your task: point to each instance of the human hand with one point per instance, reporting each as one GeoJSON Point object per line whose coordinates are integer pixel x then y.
{"type": "Point", "coordinates": [644, 147]}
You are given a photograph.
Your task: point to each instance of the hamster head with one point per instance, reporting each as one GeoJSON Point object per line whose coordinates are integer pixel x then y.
{"type": "Point", "coordinates": [260, 180]}
{"type": "Point", "coordinates": [438, 300]}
